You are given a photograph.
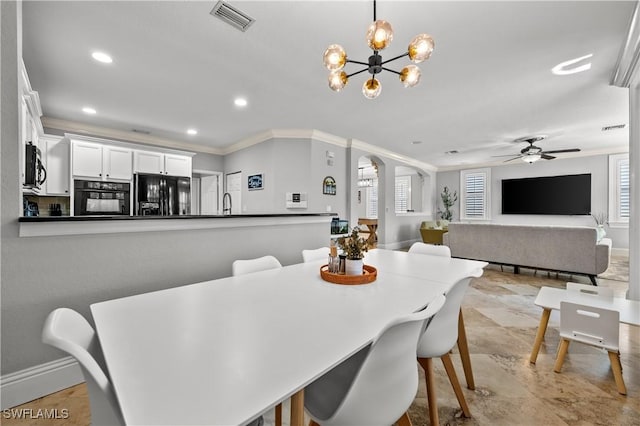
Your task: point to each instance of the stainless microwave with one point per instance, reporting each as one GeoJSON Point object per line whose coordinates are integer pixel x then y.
{"type": "Point", "coordinates": [101, 198]}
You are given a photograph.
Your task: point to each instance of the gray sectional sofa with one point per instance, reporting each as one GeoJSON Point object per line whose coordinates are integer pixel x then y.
{"type": "Point", "coordinates": [554, 248]}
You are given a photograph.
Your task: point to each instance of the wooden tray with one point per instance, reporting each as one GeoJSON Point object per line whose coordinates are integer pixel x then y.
{"type": "Point", "coordinates": [369, 276]}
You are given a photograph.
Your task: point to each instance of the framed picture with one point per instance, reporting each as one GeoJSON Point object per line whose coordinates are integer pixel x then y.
{"type": "Point", "coordinates": [329, 186]}
{"type": "Point", "coordinates": [255, 182]}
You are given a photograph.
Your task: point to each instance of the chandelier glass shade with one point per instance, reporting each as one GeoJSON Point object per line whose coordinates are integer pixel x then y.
{"type": "Point", "coordinates": [379, 36]}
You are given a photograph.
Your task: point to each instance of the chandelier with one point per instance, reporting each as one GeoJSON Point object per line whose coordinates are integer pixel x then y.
{"type": "Point", "coordinates": [379, 36]}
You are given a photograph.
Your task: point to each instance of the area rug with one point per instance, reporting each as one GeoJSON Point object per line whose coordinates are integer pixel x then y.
{"type": "Point", "coordinates": [618, 270]}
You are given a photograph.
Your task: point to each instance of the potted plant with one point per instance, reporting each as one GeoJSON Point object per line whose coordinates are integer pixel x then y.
{"type": "Point", "coordinates": [601, 219]}
{"type": "Point", "coordinates": [354, 247]}
{"type": "Point", "coordinates": [448, 200]}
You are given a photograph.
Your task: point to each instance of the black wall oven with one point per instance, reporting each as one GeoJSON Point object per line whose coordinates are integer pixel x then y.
{"type": "Point", "coordinates": [101, 198]}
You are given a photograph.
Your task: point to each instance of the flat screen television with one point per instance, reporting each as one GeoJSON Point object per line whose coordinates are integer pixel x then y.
{"type": "Point", "coordinates": [551, 195]}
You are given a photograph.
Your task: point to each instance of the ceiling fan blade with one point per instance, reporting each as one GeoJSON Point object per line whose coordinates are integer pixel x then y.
{"type": "Point", "coordinates": [558, 151]}
{"type": "Point", "coordinates": [547, 157]}
{"type": "Point", "coordinates": [511, 159]}
{"type": "Point", "coordinates": [506, 155]}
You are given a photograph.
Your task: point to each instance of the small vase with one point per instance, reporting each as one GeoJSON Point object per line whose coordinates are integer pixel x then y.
{"type": "Point", "coordinates": [354, 267]}
{"type": "Point", "coordinates": [600, 232]}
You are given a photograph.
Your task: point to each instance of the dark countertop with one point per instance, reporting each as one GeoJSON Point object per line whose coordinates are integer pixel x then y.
{"type": "Point", "coordinates": [112, 218]}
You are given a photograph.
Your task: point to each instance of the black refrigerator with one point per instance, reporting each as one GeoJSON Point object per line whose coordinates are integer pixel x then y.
{"type": "Point", "coordinates": [159, 195]}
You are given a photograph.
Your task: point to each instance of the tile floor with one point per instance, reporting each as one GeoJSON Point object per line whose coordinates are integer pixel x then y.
{"type": "Point", "coordinates": [501, 322]}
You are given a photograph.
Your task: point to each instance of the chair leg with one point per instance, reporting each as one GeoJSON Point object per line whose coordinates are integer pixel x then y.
{"type": "Point", "coordinates": [427, 364]}
{"type": "Point", "coordinates": [312, 423]}
{"type": "Point", "coordinates": [279, 415]}
{"type": "Point", "coordinates": [564, 345]}
{"type": "Point", "coordinates": [453, 378]}
{"type": "Point", "coordinates": [297, 408]}
{"type": "Point", "coordinates": [404, 420]}
{"type": "Point", "coordinates": [614, 357]}
{"type": "Point", "coordinates": [463, 348]}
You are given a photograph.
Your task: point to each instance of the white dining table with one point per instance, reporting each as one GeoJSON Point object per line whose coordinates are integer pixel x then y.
{"type": "Point", "coordinates": [222, 352]}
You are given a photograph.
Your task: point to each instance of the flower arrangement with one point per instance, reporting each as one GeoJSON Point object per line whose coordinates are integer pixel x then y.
{"type": "Point", "coordinates": [600, 218]}
{"type": "Point", "coordinates": [448, 200]}
{"type": "Point", "coordinates": [354, 246]}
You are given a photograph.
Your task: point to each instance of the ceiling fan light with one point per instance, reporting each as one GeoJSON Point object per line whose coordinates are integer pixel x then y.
{"type": "Point", "coordinates": [531, 158]}
{"type": "Point", "coordinates": [421, 48]}
{"type": "Point", "coordinates": [334, 57]}
{"type": "Point", "coordinates": [379, 35]}
{"type": "Point", "coordinates": [371, 88]}
{"type": "Point", "coordinates": [337, 80]}
{"type": "Point", "coordinates": [410, 75]}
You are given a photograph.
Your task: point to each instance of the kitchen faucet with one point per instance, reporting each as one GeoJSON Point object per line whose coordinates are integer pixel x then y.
{"type": "Point", "coordinates": [226, 210]}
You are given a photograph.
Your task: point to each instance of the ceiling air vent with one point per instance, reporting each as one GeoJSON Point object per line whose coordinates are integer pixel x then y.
{"type": "Point", "coordinates": [617, 126]}
{"type": "Point", "coordinates": [232, 16]}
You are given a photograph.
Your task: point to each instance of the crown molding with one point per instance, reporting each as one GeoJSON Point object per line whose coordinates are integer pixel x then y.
{"type": "Point", "coordinates": [103, 132]}
{"type": "Point", "coordinates": [382, 152]}
{"type": "Point", "coordinates": [285, 134]}
{"type": "Point", "coordinates": [620, 149]}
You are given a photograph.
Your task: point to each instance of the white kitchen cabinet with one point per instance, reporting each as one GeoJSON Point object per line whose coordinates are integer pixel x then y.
{"type": "Point", "coordinates": [101, 162]}
{"type": "Point", "coordinates": [159, 163]}
{"type": "Point", "coordinates": [148, 162]}
{"type": "Point", "coordinates": [87, 160]}
{"type": "Point", "coordinates": [117, 163]}
{"type": "Point", "coordinates": [177, 165]}
{"type": "Point", "coordinates": [56, 155]}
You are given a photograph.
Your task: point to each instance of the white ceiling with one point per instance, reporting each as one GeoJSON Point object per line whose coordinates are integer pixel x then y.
{"type": "Point", "coordinates": [488, 82]}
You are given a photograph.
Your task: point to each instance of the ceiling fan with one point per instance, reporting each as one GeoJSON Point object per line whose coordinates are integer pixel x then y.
{"type": "Point", "coordinates": [532, 153]}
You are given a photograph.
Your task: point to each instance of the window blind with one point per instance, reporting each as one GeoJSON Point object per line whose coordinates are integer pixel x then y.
{"type": "Point", "coordinates": [623, 184]}
{"type": "Point", "coordinates": [475, 195]}
{"type": "Point", "coordinates": [372, 200]}
{"type": "Point", "coordinates": [403, 194]}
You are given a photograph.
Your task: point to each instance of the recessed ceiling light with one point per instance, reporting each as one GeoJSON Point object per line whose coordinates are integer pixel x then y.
{"type": "Point", "coordinates": [192, 131]}
{"type": "Point", "coordinates": [563, 67]}
{"type": "Point", "coordinates": [240, 102]}
{"type": "Point", "coordinates": [102, 57]}
{"type": "Point", "coordinates": [89, 110]}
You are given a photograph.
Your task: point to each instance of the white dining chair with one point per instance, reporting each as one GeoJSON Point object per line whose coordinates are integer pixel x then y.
{"type": "Point", "coordinates": [595, 327]}
{"type": "Point", "coordinates": [376, 385]}
{"type": "Point", "coordinates": [437, 340]}
{"type": "Point", "coordinates": [432, 249]}
{"type": "Point", "coordinates": [241, 267]}
{"type": "Point", "coordinates": [315, 254]}
{"type": "Point", "coordinates": [68, 331]}
{"type": "Point", "coordinates": [463, 349]}
{"type": "Point", "coordinates": [247, 266]}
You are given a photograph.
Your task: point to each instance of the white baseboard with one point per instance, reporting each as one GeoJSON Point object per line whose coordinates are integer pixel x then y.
{"type": "Point", "coordinates": [398, 244]}
{"type": "Point", "coordinates": [623, 252]}
{"type": "Point", "coordinates": [36, 382]}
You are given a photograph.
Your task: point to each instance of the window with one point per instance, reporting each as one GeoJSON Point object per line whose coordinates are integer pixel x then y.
{"type": "Point", "coordinates": [372, 200]}
{"type": "Point", "coordinates": [619, 210]}
{"type": "Point", "coordinates": [475, 194]}
{"type": "Point", "coordinates": [403, 194]}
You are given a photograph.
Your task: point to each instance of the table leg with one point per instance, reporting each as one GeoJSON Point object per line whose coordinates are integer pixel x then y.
{"type": "Point", "coordinates": [542, 328]}
{"type": "Point", "coordinates": [297, 408]}
{"type": "Point", "coordinates": [463, 347]}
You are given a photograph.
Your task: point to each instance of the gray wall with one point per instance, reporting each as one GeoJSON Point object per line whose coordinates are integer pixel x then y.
{"type": "Point", "coordinates": [208, 162]}
{"type": "Point", "coordinates": [290, 165]}
{"type": "Point", "coordinates": [597, 165]}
